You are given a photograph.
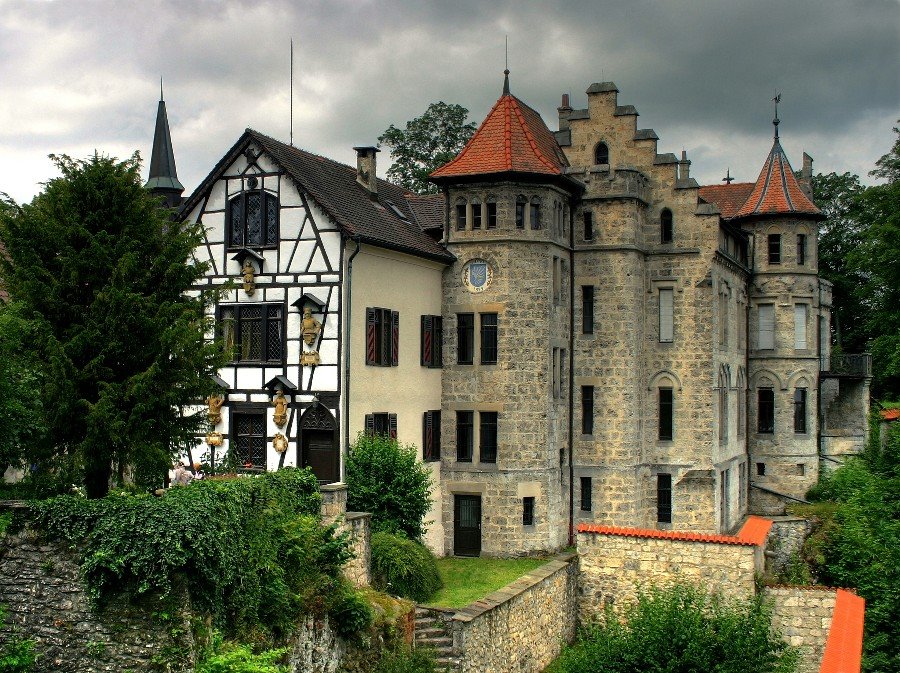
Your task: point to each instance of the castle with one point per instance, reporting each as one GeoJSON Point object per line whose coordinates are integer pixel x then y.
{"type": "Point", "coordinates": [572, 331]}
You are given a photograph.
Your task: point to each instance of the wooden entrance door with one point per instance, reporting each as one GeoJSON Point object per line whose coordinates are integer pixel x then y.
{"type": "Point", "coordinates": [319, 444]}
{"type": "Point", "coordinates": [467, 525]}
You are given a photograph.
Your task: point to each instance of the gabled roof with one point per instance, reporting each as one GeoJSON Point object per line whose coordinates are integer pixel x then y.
{"type": "Point", "coordinates": [776, 191]}
{"type": "Point", "coordinates": [729, 198]}
{"type": "Point", "coordinates": [388, 221]}
{"type": "Point", "coordinates": [512, 139]}
{"type": "Point", "coordinates": [428, 210]}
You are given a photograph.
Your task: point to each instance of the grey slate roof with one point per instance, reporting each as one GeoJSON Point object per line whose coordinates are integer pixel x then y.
{"type": "Point", "coordinates": [162, 157]}
{"type": "Point", "coordinates": [332, 185]}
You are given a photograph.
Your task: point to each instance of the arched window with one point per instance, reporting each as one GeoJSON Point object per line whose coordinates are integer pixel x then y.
{"type": "Point", "coordinates": [521, 203]}
{"type": "Point", "coordinates": [253, 219]}
{"type": "Point", "coordinates": [535, 213]}
{"type": "Point", "coordinates": [476, 213]}
{"type": "Point", "coordinates": [460, 214]}
{"type": "Point", "coordinates": [666, 228]}
{"type": "Point", "coordinates": [601, 154]}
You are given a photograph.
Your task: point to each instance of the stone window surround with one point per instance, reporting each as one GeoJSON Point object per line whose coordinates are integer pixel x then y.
{"type": "Point", "coordinates": [658, 284]}
{"type": "Point", "coordinates": [476, 432]}
{"type": "Point", "coordinates": [475, 309]}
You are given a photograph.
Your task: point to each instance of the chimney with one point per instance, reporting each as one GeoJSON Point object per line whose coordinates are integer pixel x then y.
{"type": "Point", "coordinates": [365, 170]}
{"type": "Point", "coordinates": [564, 111]}
{"type": "Point", "coordinates": [684, 167]}
{"type": "Point", "coordinates": [806, 175]}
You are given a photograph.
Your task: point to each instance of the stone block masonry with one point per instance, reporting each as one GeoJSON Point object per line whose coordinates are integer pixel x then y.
{"type": "Point", "coordinates": [803, 616]}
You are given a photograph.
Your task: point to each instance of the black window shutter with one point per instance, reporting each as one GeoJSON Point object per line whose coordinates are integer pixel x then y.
{"type": "Point", "coordinates": [438, 348]}
{"type": "Point", "coordinates": [370, 424]}
{"type": "Point", "coordinates": [392, 424]}
{"type": "Point", "coordinates": [428, 436]}
{"type": "Point", "coordinates": [370, 336]}
{"type": "Point", "coordinates": [395, 337]}
{"type": "Point", "coordinates": [427, 342]}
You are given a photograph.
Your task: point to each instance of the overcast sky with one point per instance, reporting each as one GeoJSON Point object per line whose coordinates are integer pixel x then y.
{"type": "Point", "coordinates": [80, 75]}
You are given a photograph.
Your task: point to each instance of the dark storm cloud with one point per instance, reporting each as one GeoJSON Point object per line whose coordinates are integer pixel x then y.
{"type": "Point", "coordinates": [80, 75]}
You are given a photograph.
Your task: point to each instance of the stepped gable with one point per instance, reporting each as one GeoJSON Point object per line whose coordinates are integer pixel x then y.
{"type": "Point", "coordinates": [776, 191]}
{"type": "Point", "coordinates": [728, 198]}
{"type": "Point", "coordinates": [512, 139]}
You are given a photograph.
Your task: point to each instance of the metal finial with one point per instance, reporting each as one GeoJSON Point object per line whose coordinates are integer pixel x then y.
{"type": "Point", "coordinates": [161, 89]}
{"type": "Point", "coordinates": [776, 121]}
{"type": "Point", "coordinates": [506, 70]}
{"type": "Point", "coordinates": [728, 179]}
{"type": "Point", "coordinates": [292, 93]}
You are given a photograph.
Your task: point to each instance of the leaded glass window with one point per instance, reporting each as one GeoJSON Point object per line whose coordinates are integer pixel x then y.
{"type": "Point", "coordinates": [253, 332]}
{"type": "Point", "coordinates": [253, 219]}
{"type": "Point", "coordinates": [250, 439]}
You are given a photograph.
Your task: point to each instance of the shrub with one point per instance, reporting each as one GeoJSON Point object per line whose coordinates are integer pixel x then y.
{"type": "Point", "coordinates": [681, 630]}
{"type": "Point", "coordinates": [387, 480]}
{"type": "Point", "coordinates": [227, 657]}
{"type": "Point", "coordinates": [16, 654]}
{"type": "Point", "coordinates": [351, 612]}
{"type": "Point", "coordinates": [404, 567]}
{"type": "Point", "coordinates": [402, 660]}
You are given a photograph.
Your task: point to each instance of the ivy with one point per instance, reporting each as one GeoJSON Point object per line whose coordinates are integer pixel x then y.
{"type": "Point", "coordinates": [252, 550]}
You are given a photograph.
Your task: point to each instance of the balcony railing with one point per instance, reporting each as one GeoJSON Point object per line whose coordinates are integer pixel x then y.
{"type": "Point", "coordinates": [848, 364]}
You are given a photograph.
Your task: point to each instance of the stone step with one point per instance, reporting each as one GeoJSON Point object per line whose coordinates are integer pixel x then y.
{"type": "Point", "coordinates": [436, 643]}
{"type": "Point", "coordinates": [432, 632]}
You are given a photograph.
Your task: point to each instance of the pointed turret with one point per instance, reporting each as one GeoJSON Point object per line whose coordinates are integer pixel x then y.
{"type": "Point", "coordinates": [163, 176]}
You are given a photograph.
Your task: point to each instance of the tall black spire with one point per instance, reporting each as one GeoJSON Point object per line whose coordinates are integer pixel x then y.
{"type": "Point", "coordinates": [506, 82]}
{"type": "Point", "coordinates": [163, 176]}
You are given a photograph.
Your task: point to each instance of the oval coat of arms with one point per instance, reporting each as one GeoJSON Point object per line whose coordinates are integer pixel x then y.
{"type": "Point", "coordinates": [477, 275]}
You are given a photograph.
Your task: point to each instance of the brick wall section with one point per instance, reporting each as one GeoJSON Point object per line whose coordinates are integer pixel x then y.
{"type": "Point", "coordinates": [522, 627]}
{"type": "Point", "coordinates": [803, 616]}
{"type": "Point", "coordinates": [616, 562]}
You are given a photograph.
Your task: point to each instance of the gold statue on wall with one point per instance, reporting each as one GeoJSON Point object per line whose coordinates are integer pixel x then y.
{"type": "Point", "coordinates": [247, 273]}
{"type": "Point", "coordinates": [309, 358]}
{"type": "Point", "coordinates": [280, 403]}
{"type": "Point", "coordinates": [279, 443]}
{"type": "Point", "coordinates": [311, 327]}
{"type": "Point", "coordinates": [214, 414]}
{"type": "Point", "coordinates": [214, 438]}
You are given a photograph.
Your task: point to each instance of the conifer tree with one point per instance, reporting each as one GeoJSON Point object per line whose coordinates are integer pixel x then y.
{"type": "Point", "coordinates": [102, 271]}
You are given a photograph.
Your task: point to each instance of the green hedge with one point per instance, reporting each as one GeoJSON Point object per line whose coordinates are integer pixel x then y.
{"type": "Point", "coordinates": [403, 567]}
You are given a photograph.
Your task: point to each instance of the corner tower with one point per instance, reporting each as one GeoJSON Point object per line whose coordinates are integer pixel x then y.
{"type": "Point", "coordinates": [507, 314]}
{"type": "Point", "coordinates": [163, 180]}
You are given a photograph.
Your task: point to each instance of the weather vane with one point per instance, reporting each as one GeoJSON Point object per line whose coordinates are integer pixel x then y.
{"type": "Point", "coordinates": [728, 179]}
{"type": "Point", "coordinates": [776, 121]}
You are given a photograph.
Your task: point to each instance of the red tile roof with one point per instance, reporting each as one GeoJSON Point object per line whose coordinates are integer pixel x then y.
{"type": "Point", "coordinates": [890, 414]}
{"type": "Point", "coordinates": [729, 198]}
{"type": "Point", "coordinates": [843, 649]}
{"type": "Point", "coordinates": [760, 527]}
{"type": "Point", "coordinates": [512, 138]}
{"type": "Point", "coordinates": [777, 191]}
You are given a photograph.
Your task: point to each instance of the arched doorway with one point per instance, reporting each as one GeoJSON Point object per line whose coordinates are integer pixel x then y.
{"type": "Point", "coordinates": [319, 443]}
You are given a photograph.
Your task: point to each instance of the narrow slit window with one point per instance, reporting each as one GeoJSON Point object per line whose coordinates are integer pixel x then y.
{"type": "Point", "coordinates": [587, 309]}
{"type": "Point", "coordinates": [586, 504]}
{"type": "Point", "coordinates": [666, 316]}
{"type": "Point", "coordinates": [666, 414]}
{"type": "Point", "coordinates": [664, 498]}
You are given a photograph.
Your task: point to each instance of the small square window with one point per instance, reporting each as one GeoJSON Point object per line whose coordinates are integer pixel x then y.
{"type": "Point", "coordinates": [761, 469]}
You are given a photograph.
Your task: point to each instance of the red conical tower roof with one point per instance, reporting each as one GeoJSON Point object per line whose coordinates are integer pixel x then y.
{"type": "Point", "coordinates": [776, 191]}
{"type": "Point", "coordinates": [512, 139]}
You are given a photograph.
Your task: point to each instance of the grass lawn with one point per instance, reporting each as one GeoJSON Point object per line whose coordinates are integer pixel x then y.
{"type": "Point", "coordinates": [468, 579]}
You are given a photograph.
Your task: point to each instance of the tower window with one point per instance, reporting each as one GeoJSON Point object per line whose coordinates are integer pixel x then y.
{"type": "Point", "coordinates": [464, 423]}
{"type": "Point", "coordinates": [460, 214]}
{"type": "Point", "coordinates": [520, 211]}
{"type": "Point", "coordinates": [491, 212]}
{"type": "Point", "coordinates": [487, 436]}
{"type": "Point", "coordinates": [465, 338]}
{"type": "Point", "coordinates": [666, 414]}
{"type": "Point", "coordinates": [535, 213]}
{"type": "Point", "coordinates": [586, 494]}
{"type": "Point", "coordinates": [587, 410]}
{"type": "Point", "coordinates": [801, 249]}
{"type": "Point", "coordinates": [601, 154]}
{"type": "Point", "coordinates": [587, 309]}
{"type": "Point", "coordinates": [665, 226]}
{"type": "Point", "coordinates": [766, 327]}
{"type": "Point", "coordinates": [666, 316]}
{"type": "Point", "coordinates": [476, 214]}
{"type": "Point", "coordinates": [765, 411]}
{"type": "Point", "coordinates": [488, 338]}
{"type": "Point", "coordinates": [527, 511]}
{"type": "Point", "coordinates": [800, 410]}
{"type": "Point", "coordinates": [774, 248]}
{"type": "Point", "coordinates": [588, 217]}
{"type": "Point", "coordinates": [664, 498]}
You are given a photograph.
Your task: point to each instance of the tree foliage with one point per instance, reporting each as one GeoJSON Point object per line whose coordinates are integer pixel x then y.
{"type": "Point", "coordinates": [102, 273]}
{"type": "Point", "coordinates": [387, 479]}
{"type": "Point", "coordinates": [681, 630]}
{"type": "Point", "coordinates": [427, 143]}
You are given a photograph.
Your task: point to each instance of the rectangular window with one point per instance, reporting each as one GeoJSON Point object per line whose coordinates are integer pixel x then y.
{"type": "Point", "coordinates": [555, 364]}
{"type": "Point", "coordinates": [587, 410]}
{"type": "Point", "coordinates": [487, 436]}
{"type": "Point", "coordinates": [520, 214]}
{"type": "Point", "coordinates": [664, 498]}
{"type": "Point", "coordinates": [587, 309]}
{"type": "Point", "coordinates": [588, 217]}
{"type": "Point", "coordinates": [527, 511]}
{"type": "Point", "coordinates": [766, 334]}
{"type": "Point", "coordinates": [666, 316]}
{"type": "Point", "coordinates": [250, 438]}
{"type": "Point", "coordinates": [723, 321]}
{"type": "Point", "coordinates": [535, 215]}
{"type": "Point", "coordinates": [460, 216]}
{"type": "Point", "coordinates": [800, 410]}
{"type": "Point", "coordinates": [382, 337]}
{"type": "Point", "coordinates": [760, 469]}
{"type": "Point", "coordinates": [557, 279]}
{"type": "Point", "coordinates": [464, 436]}
{"type": "Point", "coordinates": [801, 249]}
{"type": "Point", "coordinates": [491, 214]}
{"type": "Point", "coordinates": [465, 338]}
{"type": "Point", "coordinates": [666, 414]}
{"type": "Point", "coordinates": [253, 332]}
{"type": "Point", "coordinates": [432, 341]}
{"type": "Point", "coordinates": [431, 436]}
{"type": "Point", "coordinates": [765, 410]}
{"type": "Point", "coordinates": [488, 338]}
{"type": "Point", "coordinates": [800, 313]}
{"type": "Point", "coordinates": [742, 486]}
{"type": "Point", "coordinates": [774, 248]}
{"type": "Point", "coordinates": [585, 494]}
{"type": "Point", "coordinates": [382, 424]}
{"type": "Point", "coordinates": [476, 215]}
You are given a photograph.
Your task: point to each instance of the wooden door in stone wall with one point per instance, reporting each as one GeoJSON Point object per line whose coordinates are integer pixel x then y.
{"type": "Point", "coordinates": [467, 525]}
{"type": "Point", "coordinates": [319, 444]}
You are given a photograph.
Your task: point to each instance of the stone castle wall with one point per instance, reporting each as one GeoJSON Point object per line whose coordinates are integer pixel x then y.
{"type": "Point", "coordinates": [803, 616]}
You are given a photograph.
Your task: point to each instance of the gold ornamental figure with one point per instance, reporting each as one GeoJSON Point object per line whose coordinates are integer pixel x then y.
{"type": "Point", "coordinates": [311, 327]}
{"type": "Point", "coordinates": [247, 273]}
{"type": "Point", "coordinates": [280, 403]}
{"type": "Point", "coordinates": [279, 442]}
{"type": "Point", "coordinates": [214, 414]}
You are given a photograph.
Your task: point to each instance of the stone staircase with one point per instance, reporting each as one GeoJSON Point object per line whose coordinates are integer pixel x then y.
{"type": "Point", "coordinates": [432, 632]}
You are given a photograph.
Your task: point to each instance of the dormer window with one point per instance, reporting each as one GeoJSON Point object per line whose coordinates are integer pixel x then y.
{"type": "Point", "coordinates": [601, 154]}
{"type": "Point", "coordinates": [253, 219]}
{"type": "Point", "coordinates": [666, 230]}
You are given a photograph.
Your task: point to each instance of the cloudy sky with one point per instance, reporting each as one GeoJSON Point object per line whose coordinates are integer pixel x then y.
{"type": "Point", "coordinates": [80, 75]}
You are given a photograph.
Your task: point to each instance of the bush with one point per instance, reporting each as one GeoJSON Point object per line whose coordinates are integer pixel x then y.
{"type": "Point", "coordinates": [16, 654]}
{"type": "Point", "coordinates": [351, 612]}
{"type": "Point", "coordinates": [403, 567]}
{"type": "Point", "coordinates": [401, 660]}
{"type": "Point", "coordinates": [226, 657]}
{"type": "Point", "coordinates": [681, 630]}
{"type": "Point", "coordinates": [387, 480]}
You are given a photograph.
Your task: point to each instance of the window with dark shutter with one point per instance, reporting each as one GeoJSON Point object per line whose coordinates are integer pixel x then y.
{"type": "Point", "coordinates": [431, 436]}
{"type": "Point", "coordinates": [382, 337]}
{"type": "Point", "coordinates": [253, 332]}
{"type": "Point", "coordinates": [487, 442]}
{"type": "Point", "coordinates": [395, 338]}
{"type": "Point", "coordinates": [392, 426]}
{"type": "Point", "coordinates": [432, 337]}
{"type": "Point", "coordinates": [488, 338]}
{"type": "Point", "coordinates": [382, 424]}
{"type": "Point", "coordinates": [465, 338]}
{"type": "Point", "coordinates": [586, 494]}
{"type": "Point", "coordinates": [664, 498]}
{"type": "Point", "coordinates": [464, 436]}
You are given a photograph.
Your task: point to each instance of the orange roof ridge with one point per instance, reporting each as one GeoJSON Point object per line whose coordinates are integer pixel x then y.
{"type": "Point", "coordinates": [843, 649]}
{"type": "Point", "coordinates": [684, 536]}
{"type": "Point", "coordinates": [528, 135]}
{"type": "Point", "coordinates": [776, 191]}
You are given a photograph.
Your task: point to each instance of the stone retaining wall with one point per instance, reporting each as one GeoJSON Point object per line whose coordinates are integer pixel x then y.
{"type": "Point", "coordinates": [785, 540]}
{"type": "Point", "coordinates": [803, 616]}
{"type": "Point", "coordinates": [359, 569]}
{"type": "Point", "coordinates": [522, 627]}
